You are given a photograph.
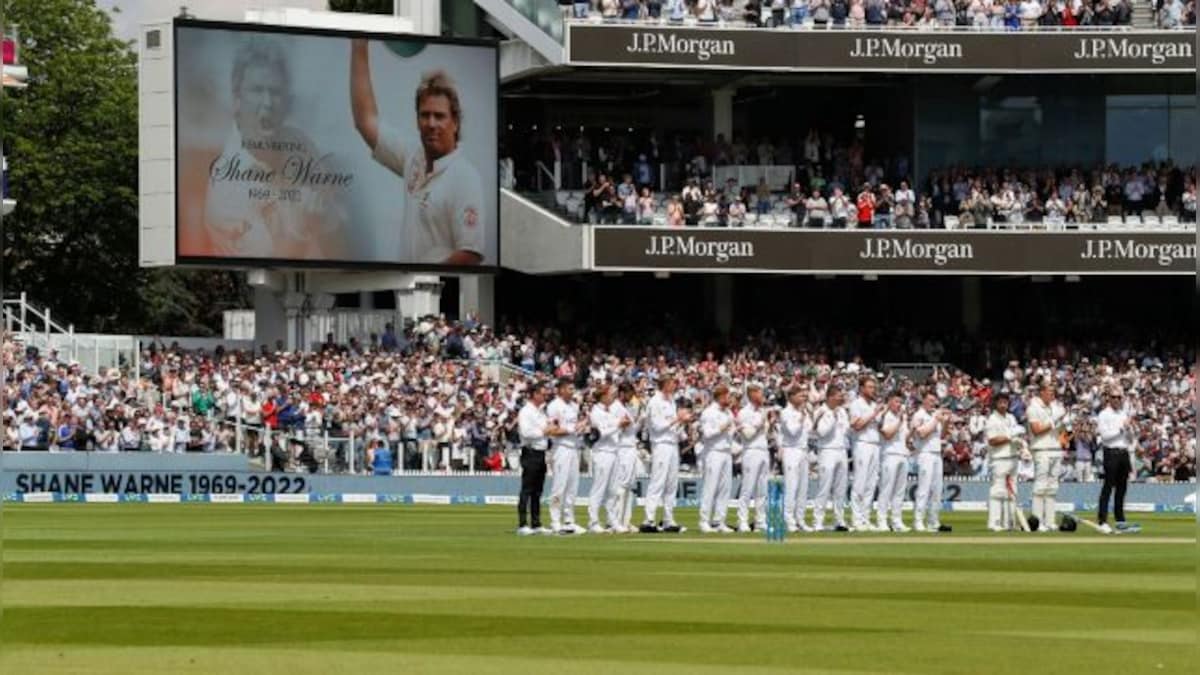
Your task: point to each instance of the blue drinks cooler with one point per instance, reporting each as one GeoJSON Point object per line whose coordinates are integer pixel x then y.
{"type": "Point", "coordinates": [776, 527]}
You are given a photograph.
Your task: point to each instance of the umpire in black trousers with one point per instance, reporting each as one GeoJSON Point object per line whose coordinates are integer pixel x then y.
{"type": "Point", "coordinates": [532, 425]}
{"type": "Point", "coordinates": [1114, 428]}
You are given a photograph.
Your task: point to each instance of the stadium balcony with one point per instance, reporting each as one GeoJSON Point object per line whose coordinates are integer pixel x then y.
{"type": "Point", "coordinates": [1033, 15]}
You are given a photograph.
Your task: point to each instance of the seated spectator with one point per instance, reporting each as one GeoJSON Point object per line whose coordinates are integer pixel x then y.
{"type": "Point", "coordinates": [817, 209]}
{"type": "Point", "coordinates": [737, 212]}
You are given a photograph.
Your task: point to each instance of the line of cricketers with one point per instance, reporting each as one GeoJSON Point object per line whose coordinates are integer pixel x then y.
{"type": "Point", "coordinates": [880, 436]}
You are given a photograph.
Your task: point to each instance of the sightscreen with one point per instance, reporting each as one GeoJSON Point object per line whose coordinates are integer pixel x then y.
{"type": "Point", "coordinates": [333, 148]}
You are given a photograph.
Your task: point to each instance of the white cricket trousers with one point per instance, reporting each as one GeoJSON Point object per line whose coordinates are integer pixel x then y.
{"type": "Point", "coordinates": [664, 481]}
{"type": "Point", "coordinates": [714, 495]}
{"type": "Point", "coordinates": [1046, 464]}
{"type": "Point", "coordinates": [891, 489]}
{"type": "Point", "coordinates": [795, 485]}
{"type": "Point", "coordinates": [929, 490]}
{"type": "Point", "coordinates": [563, 487]}
{"type": "Point", "coordinates": [866, 479]}
{"type": "Point", "coordinates": [756, 469]}
{"type": "Point", "coordinates": [604, 486]}
{"type": "Point", "coordinates": [1000, 505]}
{"type": "Point", "coordinates": [831, 486]}
{"type": "Point", "coordinates": [622, 498]}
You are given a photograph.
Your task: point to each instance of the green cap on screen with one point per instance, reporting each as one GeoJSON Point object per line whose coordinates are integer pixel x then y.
{"type": "Point", "coordinates": [405, 48]}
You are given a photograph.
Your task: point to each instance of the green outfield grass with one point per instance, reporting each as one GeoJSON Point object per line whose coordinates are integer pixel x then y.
{"type": "Point", "coordinates": [132, 588]}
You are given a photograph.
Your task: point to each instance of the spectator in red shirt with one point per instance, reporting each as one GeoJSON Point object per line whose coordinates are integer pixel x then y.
{"type": "Point", "coordinates": [866, 206]}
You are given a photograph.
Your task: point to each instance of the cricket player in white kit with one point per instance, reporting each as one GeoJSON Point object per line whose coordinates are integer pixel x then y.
{"type": "Point", "coordinates": [894, 431]}
{"type": "Point", "coordinates": [717, 424]}
{"type": "Point", "coordinates": [753, 422]}
{"type": "Point", "coordinates": [565, 444]}
{"type": "Point", "coordinates": [1046, 418]}
{"type": "Point", "coordinates": [795, 423]}
{"type": "Point", "coordinates": [626, 473]}
{"type": "Point", "coordinates": [666, 423]}
{"type": "Point", "coordinates": [1002, 434]}
{"type": "Point", "coordinates": [865, 416]}
{"type": "Point", "coordinates": [608, 418]}
{"type": "Point", "coordinates": [926, 426]}
{"type": "Point", "coordinates": [832, 427]}
{"type": "Point", "coordinates": [443, 208]}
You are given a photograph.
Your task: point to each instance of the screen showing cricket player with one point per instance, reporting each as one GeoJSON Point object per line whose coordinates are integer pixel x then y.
{"type": "Point", "coordinates": [316, 146]}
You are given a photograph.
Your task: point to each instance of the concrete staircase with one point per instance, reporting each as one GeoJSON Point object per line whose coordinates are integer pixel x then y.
{"type": "Point", "coordinates": [1143, 14]}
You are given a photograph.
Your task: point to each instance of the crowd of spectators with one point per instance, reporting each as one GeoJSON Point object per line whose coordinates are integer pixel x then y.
{"type": "Point", "coordinates": [834, 185]}
{"type": "Point", "coordinates": [434, 395]}
{"type": "Point", "coordinates": [924, 14]}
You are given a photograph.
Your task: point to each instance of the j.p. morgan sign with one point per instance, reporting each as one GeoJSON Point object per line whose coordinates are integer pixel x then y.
{"type": "Point", "coordinates": [848, 50]}
{"type": "Point", "coordinates": [895, 251]}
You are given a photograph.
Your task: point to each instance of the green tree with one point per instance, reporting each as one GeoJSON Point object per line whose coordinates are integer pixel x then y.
{"type": "Point", "coordinates": [72, 142]}
{"type": "Point", "coordinates": [71, 138]}
{"type": "Point", "coordinates": [363, 6]}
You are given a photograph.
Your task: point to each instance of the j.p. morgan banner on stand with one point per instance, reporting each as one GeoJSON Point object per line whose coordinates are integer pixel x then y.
{"type": "Point", "coordinates": [892, 251]}
{"type": "Point", "coordinates": [853, 50]}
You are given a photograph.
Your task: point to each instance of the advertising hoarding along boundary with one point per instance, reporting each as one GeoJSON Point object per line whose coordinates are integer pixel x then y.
{"type": "Point", "coordinates": [302, 147]}
{"type": "Point", "coordinates": [891, 251]}
{"type": "Point", "coordinates": [881, 50]}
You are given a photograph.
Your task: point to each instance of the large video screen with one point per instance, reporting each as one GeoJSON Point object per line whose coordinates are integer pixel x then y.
{"type": "Point", "coordinates": [313, 147]}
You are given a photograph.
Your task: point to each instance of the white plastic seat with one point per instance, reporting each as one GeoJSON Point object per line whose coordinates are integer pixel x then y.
{"type": "Point", "coordinates": [1151, 221]}
{"type": "Point", "coordinates": [1115, 222]}
{"type": "Point", "coordinates": [561, 198]}
{"type": "Point", "coordinates": [766, 220]}
{"type": "Point", "coordinates": [1171, 222]}
{"type": "Point", "coordinates": [951, 222]}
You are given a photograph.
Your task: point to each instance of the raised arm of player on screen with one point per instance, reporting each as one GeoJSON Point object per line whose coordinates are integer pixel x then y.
{"type": "Point", "coordinates": [362, 94]}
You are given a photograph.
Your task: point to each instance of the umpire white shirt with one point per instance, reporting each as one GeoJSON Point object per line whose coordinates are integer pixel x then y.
{"type": "Point", "coordinates": [443, 208]}
{"type": "Point", "coordinates": [1110, 426]}
{"type": "Point", "coordinates": [531, 425]}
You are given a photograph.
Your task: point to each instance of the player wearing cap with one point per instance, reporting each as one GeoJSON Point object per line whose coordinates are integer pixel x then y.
{"type": "Point", "coordinates": [717, 424]}
{"type": "Point", "coordinates": [1046, 418]}
{"type": "Point", "coordinates": [795, 423]}
{"type": "Point", "coordinates": [1002, 433]}
{"type": "Point", "coordinates": [443, 209]}
{"type": "Point", "coordinates": [753, 422]}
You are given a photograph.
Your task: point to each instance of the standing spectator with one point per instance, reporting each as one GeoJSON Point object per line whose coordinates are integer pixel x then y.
{"type": "Point", "coordinates": [865, 206]}
{"type": "Point", "coordinates": [817, 209]}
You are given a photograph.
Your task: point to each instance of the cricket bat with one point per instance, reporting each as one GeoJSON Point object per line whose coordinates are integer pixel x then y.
{"type": "Point", "coordinates": [1017, 510]}
{"type": "Point", "coordinates": [1089, 523]}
